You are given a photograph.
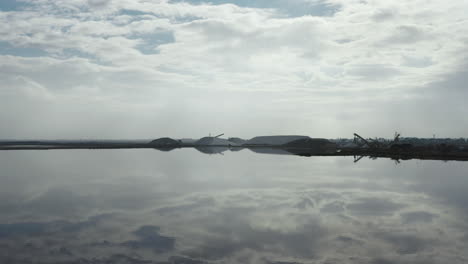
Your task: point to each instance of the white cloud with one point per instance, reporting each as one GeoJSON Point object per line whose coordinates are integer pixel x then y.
{"type": "Point", "coordinates": [306, 71]}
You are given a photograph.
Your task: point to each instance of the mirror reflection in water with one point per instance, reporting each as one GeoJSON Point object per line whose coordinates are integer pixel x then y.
{"type": "Point", "coordinates": [146, 206]}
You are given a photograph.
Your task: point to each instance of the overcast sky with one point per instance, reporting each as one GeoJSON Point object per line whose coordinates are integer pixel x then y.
{"type": "Point", "coordinates": [152, 68]}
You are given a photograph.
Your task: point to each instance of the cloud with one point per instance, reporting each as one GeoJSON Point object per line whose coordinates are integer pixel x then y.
{"type": "Point", "coordinates": [98, 3]}
{"type": "Point", "coordinates": [374, 72]}
{"type": "Point", "coordinates": [17, 229]}
{"type": "Point", "coordinates": [373, 206]}
{"type": "Point", "coordinates": [333, 207]}
{"type": "Point", "coordinates": [302, 63]}
{"type": "Point", "coordinates": [405, 243]}
{"type": "Point", "coordinates": [406, 34]}
{"type": "Point", "coordinates": [149, 237]}
{"type": "Point", "coordinates": [419, 216]}
{"type": "Point", "coordinates": [283, 7]}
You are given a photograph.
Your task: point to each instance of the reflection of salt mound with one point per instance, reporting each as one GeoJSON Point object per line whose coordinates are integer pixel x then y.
{"type": "Point", "coordinates": [214, 141]}
{"type": "Point", "coordinates": [165, 149]}
{"type": "Point", "coordinates": [212, 150]}
{"type": "Point", "coordinates": [276, 151]}
{"type": "Point", "coordinates": [311, 143]}
{"type": "Point", "coordinates": [273, 140]}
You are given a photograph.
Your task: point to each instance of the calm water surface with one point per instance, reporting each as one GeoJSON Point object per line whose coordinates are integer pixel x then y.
{"type": "Point", "coordinates": [147, 206]}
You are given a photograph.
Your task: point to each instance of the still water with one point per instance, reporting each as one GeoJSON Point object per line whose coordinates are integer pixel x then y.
{"type": "Point", "coordinates": [147, 206]}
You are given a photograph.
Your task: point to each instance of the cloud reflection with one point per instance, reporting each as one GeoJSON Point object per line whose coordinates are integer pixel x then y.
{"type": "Point", "coordinates": [235, 209]}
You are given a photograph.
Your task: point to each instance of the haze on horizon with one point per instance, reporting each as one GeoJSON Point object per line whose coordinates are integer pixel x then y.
{"type": "Point", "coordinates": [147, 69]}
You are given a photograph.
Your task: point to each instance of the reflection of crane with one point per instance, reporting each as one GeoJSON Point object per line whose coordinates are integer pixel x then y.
{"type": "Point", "coordinates": [357, 158]}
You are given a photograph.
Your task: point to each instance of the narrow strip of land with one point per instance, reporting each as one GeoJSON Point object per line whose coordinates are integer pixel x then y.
{"type": "Point", "coordinates": [282, 145]}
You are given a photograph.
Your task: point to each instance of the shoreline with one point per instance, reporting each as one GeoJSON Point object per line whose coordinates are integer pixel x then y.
{"type": "Point", "coordinates": [358, 153]}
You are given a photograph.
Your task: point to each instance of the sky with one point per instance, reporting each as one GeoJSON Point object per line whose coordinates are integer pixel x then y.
{"type": "Point", "coordinates": [152, 68]}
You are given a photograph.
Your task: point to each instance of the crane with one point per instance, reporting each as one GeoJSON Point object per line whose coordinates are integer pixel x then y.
{"type": "Point", "coordinates": [371, 143]}
{"type": "Point", "coordinates": [360, 141]}
{"type": "Point", "coordinates": [397, 137]}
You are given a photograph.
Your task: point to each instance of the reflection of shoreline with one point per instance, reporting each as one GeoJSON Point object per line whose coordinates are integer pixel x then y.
{"type": "Point", "coordinates": [182, 207]}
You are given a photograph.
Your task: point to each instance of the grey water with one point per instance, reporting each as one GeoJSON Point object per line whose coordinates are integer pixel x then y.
{"type": "Point", "coordinates": [182, 206]}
